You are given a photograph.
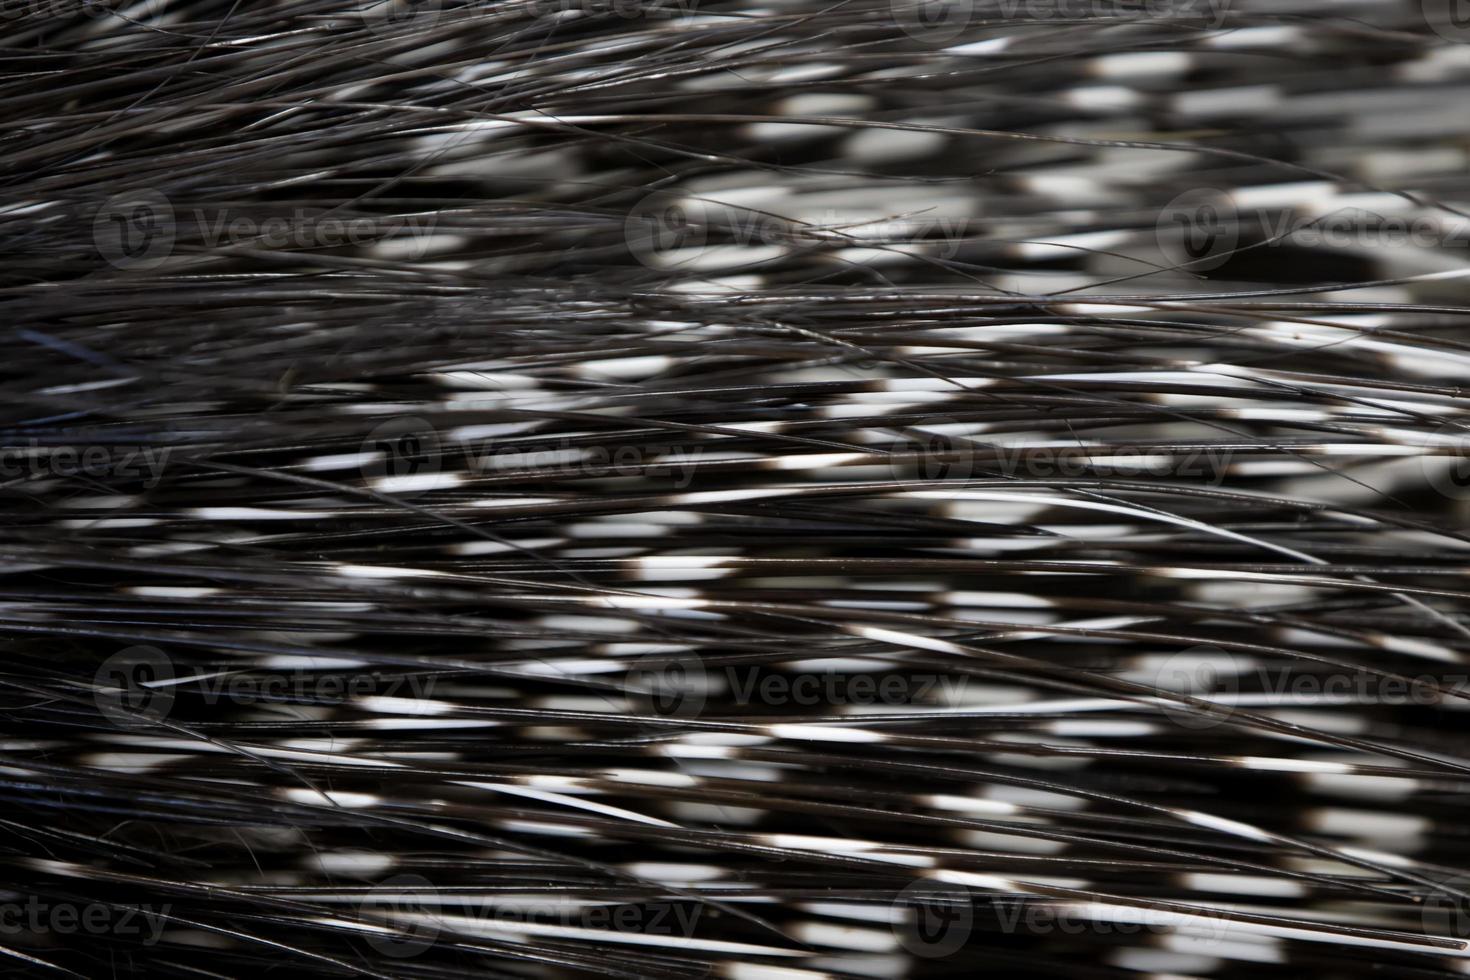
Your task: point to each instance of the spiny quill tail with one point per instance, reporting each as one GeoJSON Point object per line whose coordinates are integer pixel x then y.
{"type": "Point", "coordinates": [666, 489]}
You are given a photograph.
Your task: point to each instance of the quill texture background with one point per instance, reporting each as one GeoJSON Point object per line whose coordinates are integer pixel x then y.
{"type": "Point", "coordinates": [763, 491]}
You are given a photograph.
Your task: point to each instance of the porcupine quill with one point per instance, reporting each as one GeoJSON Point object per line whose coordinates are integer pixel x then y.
{"type": "Point", "coordinates": [702, 488]}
